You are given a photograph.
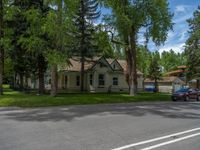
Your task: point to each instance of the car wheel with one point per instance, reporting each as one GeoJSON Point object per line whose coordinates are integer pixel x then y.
{"type": "Point", "coordinates": [187, 98]}
{"type": "Point", "coordinates": [173, 99]}
{"type": "Point", "coordinates": [198, 98]}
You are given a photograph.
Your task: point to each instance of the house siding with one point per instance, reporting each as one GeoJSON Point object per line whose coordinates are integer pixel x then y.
{"type": "Point", "coordinates": [102, 66]}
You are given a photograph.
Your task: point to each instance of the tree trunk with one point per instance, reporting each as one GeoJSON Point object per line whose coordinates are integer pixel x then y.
{"type": "Point", "coordinates": [15, 81]}
{"type": "Point", "coordinates": [1, 48]}
{"type": "Point", "coordinates": [21, 84]}
{"type": "Point", "coordinates": [132, 63]}
{"type": "Point", "coordinates": [41, 88]}
{"type": "Point", "coordinates": [54, 80]}
{"type": "Point", "coordinates": [82, 46]}
{"type": "Point", "coordinates": [156, 86]}
{"type": "Point", "coordinates": [26, 89]}
{"type": "Point", "coordinates": [1, 71]}
{"type": "Point", "coordinates": [41, 72]}
{"type": "Point", "coordinates": [198, 84]}
{"type": "Point", "coordinates": [82, 74]}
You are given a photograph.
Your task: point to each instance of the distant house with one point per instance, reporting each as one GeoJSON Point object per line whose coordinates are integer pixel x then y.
{"type": "Point", "coordinates": [166, 85]}
{"type": "Point", "coordinates": [101, 75]}
{"type": "Point", "coordinates": [172, 81]}
{"type": "Point", "coordinates": [179, 72]}
{"type": "Point", "coordinates": [194, 83]}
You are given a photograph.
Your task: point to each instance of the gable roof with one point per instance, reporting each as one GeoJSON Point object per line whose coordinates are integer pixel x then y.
{"type": "Point", "coordinates": [112, 61]}
{"type": "Point", "coordinates": [164, 80]}
{"type": "Point", "coordinates": [123, 64]}
{"type": "Point", "coordinates": [99, 60]}
{"type": "Point", "coordinates": [75, 64]}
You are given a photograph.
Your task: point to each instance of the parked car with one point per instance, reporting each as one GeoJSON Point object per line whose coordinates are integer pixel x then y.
{"type": "Point", "coordinates": [186, 94]}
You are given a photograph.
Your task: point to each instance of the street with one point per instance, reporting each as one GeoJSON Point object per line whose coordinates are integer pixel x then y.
{"type": "Point", "coordinates": [136, 126]}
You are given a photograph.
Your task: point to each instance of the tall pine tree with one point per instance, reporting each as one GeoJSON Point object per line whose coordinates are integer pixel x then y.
{"type": "Point", "coordinates": [193, 48]}
{"type": "Point", "coordinates": [1, 48]}
{"type": "Point", "coordinates": [85, 44]}
{"type": "Point", "coordinates": [155, 70]}
{"type": "Point", "coordinates": [35, 40]}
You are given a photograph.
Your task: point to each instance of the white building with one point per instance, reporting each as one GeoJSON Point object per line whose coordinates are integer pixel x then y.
{"type": "Point", "coordinates": [101, 75]}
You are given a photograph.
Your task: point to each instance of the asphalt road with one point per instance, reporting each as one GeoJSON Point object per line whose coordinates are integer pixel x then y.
{"type": "Point", "coordinates": [101, 127]}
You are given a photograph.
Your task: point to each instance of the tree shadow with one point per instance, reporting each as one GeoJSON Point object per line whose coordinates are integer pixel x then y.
{"type": "Point", "coordinates": [166, 110]}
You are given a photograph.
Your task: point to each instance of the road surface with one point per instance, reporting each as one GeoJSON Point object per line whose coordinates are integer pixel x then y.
{"type": "Point", "coordinates": [137, 126]}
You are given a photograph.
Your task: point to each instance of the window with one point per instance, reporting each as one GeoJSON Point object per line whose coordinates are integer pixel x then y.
{"type": "Point", "coordinates": [66, 80]}
{"type": "Point", "coordinates": [115, 81]}
{"type": "Point", "coordinates": [49, 81]}
{"type": "Point", "coordinates": [114, 66]}
{"type": "Point", "coordinates": [91, 79]}
{"type": "Point", "coordinates": [77, 80]}
{"type": "Point", "coordinates": [101, 79]}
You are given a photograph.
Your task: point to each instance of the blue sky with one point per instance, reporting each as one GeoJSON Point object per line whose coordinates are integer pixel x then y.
{"type": "Point", "coordinates": [183, 10]}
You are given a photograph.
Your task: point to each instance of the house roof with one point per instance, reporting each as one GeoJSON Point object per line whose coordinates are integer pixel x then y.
{"type": "Point", "coordinates": [182, 67]}
{"type": "Point", "coordinates": [176, 72]}
{"type": "Point", "coordinates": [75, 64]}
{"type": "Point", "coordinates": [123, 64]}
{"type": "Point", "coordinates": [164, 80]}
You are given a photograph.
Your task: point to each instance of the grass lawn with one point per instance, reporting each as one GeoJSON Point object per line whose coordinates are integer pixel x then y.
{"type": "Point", "coordinates": [13, 98]}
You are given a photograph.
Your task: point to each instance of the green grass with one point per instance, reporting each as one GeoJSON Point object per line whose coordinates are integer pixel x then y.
{"type": "Point", "coordinates": [13, 98]}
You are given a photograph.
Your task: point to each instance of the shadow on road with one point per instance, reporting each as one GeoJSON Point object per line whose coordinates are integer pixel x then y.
{"type": "Point", "coordinates": [168, 110]}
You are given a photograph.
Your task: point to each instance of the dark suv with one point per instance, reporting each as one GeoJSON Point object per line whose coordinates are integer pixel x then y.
{"type": "Point", "coordinates": [186, 94]}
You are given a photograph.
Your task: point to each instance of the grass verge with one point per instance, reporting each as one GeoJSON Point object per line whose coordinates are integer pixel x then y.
{"type": "Point", "coordinates": [13, 98]}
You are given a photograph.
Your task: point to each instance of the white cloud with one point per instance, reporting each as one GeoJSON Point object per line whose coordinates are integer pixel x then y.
{"type": "Point", "coordinates": [178, 48]}
{"type": "Point", "coordinates": [183, 36]}
{"type": "Point", "coordinates": [181, 8]}
{"type": "Point", "coordinates": [182, 18]}
{"type": "Point", "coordinates": [171, 35]}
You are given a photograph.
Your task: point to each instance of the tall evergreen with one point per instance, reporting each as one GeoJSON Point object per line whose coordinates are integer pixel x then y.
{"type": "Point", "coordinates": [22, 62]}
{"type": "Point", "coordinates": [27, 54]}
{"type": "Point", "coordinates": [155, 70]}
{"type": "Point", "coordinates": [35, 40]}
{"type": "Point", "coordinates": [1, 48]}
{"type": "Point", "coordinates": [85, 47]}
{"type": "Point", "coordinates": [193, 48]}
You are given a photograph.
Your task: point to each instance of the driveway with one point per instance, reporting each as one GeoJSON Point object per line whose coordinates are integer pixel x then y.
{"type": "Point", "coordinates": [102, 127]}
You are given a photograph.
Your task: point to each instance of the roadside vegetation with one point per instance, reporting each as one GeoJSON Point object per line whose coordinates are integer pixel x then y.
{"type": "Point", "coordinates": [14, 98]}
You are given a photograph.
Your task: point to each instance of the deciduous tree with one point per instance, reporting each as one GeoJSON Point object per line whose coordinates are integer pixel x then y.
{"type": "Point", "coordinates": [129, 17]}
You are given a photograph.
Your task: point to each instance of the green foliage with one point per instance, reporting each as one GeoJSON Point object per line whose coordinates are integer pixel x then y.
{"type": "Point", "coordinates": [8, 70]}
{"type": "Point", "coordinates": [193, 46]}
{"type": "Point", "coordinates": [104, 43]}
{"type": "Point", "coordinates": [56, 27]}
{"type": "Point", "coordinates": [85, 42]}
{"type": "Point", "coordinates": [167, 60]}
{"type": "Point", "coordinates": [143, 60]}
{"type": "Point", "coordinates": [35, 41]}
{"type": "Point", "coordinates": [170, 60]}
{"type": "Point", "coordinates": [155, 72]}
{"type": "Point", "coordinates": [154, 15]}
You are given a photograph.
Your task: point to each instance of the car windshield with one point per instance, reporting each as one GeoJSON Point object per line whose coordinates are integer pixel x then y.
{"type": "Point", "coordinates": [182, 90]}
